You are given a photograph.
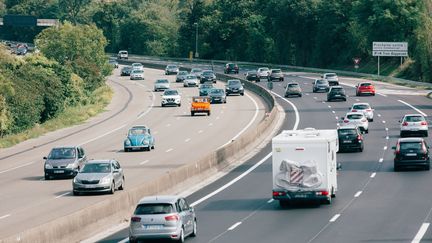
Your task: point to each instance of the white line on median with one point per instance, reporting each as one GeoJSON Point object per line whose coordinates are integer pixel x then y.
{"type": "Point", "coordinates": [333, 112]}
{"type": "Point", "coordinates": [234, 226]}
{"type": "Point", "coordinates": [385, 147]}
{"type": "Point", "coordinates": [418, 237]}
{"type": "Point", "coordinates": [200, 131]}
{"type": "Point", "coordinates": [210, 124]}
{"type": "Point", "coordinates": [169, 150]}
{"type": "Point", "coordinates": [187, 140]}
{"type": "Point", "coordinates": [64, 194]}
{"type": "Point", "coordinates": [379, 115]}
{"type": "Point", "coordinates": [381, 160]}
{"type": "Point", "coordinates": [334, 218]}
{"type": "Point", "coordinates": [329, 106]}
{"type": "Point", "coordinates": [144, 162]}
{"type": "Point", "coordinates": [373, 175]}
{"type": "Point", "coordinates": [358, 193]}
{"type": "Point", "coordinates": [419, 111]}
{"type": "Point", "coordinates": [381, 94]}
{"type": "Point", "coordinates": [387, 137]}
{"type": "Point", "coordinates": [5, 216]}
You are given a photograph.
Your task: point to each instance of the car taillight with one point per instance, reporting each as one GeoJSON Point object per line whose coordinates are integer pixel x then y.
{"type": "Point", "coordinates": [423, 123]}
{"type": "Point", "coordinates": [135, 219]}
{"type": "Point", "coordinates": [346, 121]}
{"type": "Point", "coordinates": [322, 193]}
{"type": "Point", "coordinates": [405, 124]}
{"type": "Point", "coordinates": [359, 137]}
{"type": "Point", "coordinates": [397, 151]}
{"type": "Point", "coordinates": [368, 110]}
{"type": "Point", "coordinates": [173, 217]}
{"type": "Point", "coordinates": [354, 110]}
{"type": "Point", "coordinates": [276, 194]}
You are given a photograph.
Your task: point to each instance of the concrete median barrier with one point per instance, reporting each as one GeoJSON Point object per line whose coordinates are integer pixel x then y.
{"type": "Point", "coordinates": [82, 224]}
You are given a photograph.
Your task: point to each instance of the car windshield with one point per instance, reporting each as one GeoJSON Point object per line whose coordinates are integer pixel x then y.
{"type": "Point", "coordinates": [206, 86]}
{"type": "Point", "coordinates": [414, 118]}
{"type": "Point", "coordinates": [343, 132]}
{"type": "Point", "coordinates": [96, 168]}
{"type": "Point", "coordinates": [217, 91]}
{"type": "Point", "coordinates": [191, 77]}
{"type": "Point", "coordinates": [361, 107]}
{"type": "Point", "coordinates": [208, 73]}
{"type": "Point", "coordinates": [231, 65]}
{"type": "Point", "coordinates": [136, 64]}
{"type": "Point", "coordinates": [153, 208]}
{"type": "Point", "coordinates": [365, 84]}
{"type": "Point", "coordinates": [123, 52]}
{"type": "Point", "coordinates": [161, 81]}
{"type": "Point", "coordinates": [127, 68]}
{"type": "Point", "coordinates": [293, 85]}
{"type": "Point", "coordinates": [170, 92]}
{"type": "Point", "coordinates": [137, 71]}
{"type": "Point", "coordinates": [263, 69]}
{"type": "Point", "coordinates": [196, 70]}
{"type": "Point", "coordinates": [172, 66]}
{"type": "Point", "coordinates": [354, 116]}
{"type": "Point", "coordinates": [183, 73]}
{"type": "Point", "coordinates": [276, 71]}
{"type": "Point", "coordinates": [22, 48]}
{"type": "Point", "coordinates": [233, 82]}
{"type": "Point", "coordinates": [411, 146]}
{"type": "Point", "coordinates": [322, 81]}
{"type": "Point", "coordinates": [62, 153]}
{"type": "Point", "coordinates": [137, 131]}
{"type": "Point", "coordinates": [330, 75]}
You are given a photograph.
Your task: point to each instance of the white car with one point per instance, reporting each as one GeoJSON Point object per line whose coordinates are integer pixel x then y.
{"type": "Point", "coordinates": [122, 55]}
{"type": "Point", "coordinates": [161, 84]}
{"type": "Point", "coordinates": [197, 72]}
{"type": "Point", "coordinates": [190, 80]}
{"type": "Point", "coordinates": [263, 72]}
{"type": "Point", "coordinates": [137, 74]}
{"type": "Point", "coordinates": [171, 97]}
{"type": "Point", "coordinates": [357, 119]}
{"type": "Point", "coordinates": [330, 77]}
{"type": "Point", "coordinates": [171, 69]}
{"type": "Point", "coordinates": [365, 108]}
{"type": "Point", "coordinates": [137, 65]}
{"type": "Point", "coordinates": [412, 124]}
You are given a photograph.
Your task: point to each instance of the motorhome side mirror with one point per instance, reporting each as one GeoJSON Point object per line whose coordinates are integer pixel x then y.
{"type": "Point", "coordinates": [394, 147]}
{"type": "Point", "coordinates": [339, 166]}
{"type": "Point", "coordinates": [44, 157]}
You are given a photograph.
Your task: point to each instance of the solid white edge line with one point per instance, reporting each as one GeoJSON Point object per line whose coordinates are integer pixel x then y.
{"type": "Point", "coordinates": [358, 193]}
{"type": "Point", "coordinates": [187, 140]}
{"type": "Point", "coordinates": [5, 216]}
{"type": "Point", "coordinates": [418, 237]}
{"type": "Point", "coordinates": [373, 175]}
{"type": "Point", "coordinates": [297, 116]}
{"type": "Point", "coordinates": [144, 162]}
{"type": "Point", "coordinates": [169, 150]}
{"type": "Point", "coordinates": [64, 194]}
{"type": "Point", "coordinates": [234, 226]}
{"type": "Point", "coordinates": [334, 218]}
{"type": "Point", "coordinates": [419, 111]}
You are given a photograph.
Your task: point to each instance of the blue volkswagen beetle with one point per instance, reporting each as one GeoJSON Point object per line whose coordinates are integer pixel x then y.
{"type": "Point", "coordinates": [139, 137]}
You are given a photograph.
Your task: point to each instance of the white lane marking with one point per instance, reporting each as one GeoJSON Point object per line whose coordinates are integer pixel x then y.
{"type": "Point", "coordinates": [323, 102]}
{"type": "Point", "coordinates": [210, 124]}
{"type": "Point", "coordinates": [234, 226]}
{"type": "Point", "coordinates": [334, 218]}
{"type": "Point", "coordinates": [419, 111]}
{"type": "Point", "coordinates": [329, 106]}
{"type": "Point", "coordinates": [169, 150]}
{"type": "Point", "coordinates": [373, 175]}
{"type": "Point", "coordinates": [144, 162]}
{"type": "Point", "coordinates": [333, 112]}
{"type": "Point", "coordinates": [5, 216]}
{"type": "Point", "coordinates": [187, 140]}
{"type": "Point", "coordinates": [387, 137]}
{"type": "Point", "coordinates": [315, 98]}
{"type": "Point", "coordinates": [418, 237]}
{"type": "Point", "coordinates": [307, 93]}
{"type": "Point", "coordinates": [386, 128]}
{"type": "Point", "coordinates": [337, 118]}
{"type": "Point", "coordinates": [383, 121]}
{"type": "Point", "coordinates": [217, 118]}
{"type": "Point", "coordinates": [357, 99]}
{"type": "Point", "coordinates": [155, 132]}
{"type": "Point", "coordinates": [200, 131]}
{"type": "Point", "coordinates": [379, 115]}
{"type": "Point", "coordinates": [17, 167]}
{"type": "Point", "coordinates": [381, 94]}
{"type": "Point", "coordinates": [297, 116]}
{"type": "Point", "coordinates": [248, 125]}
{"type": "Point", "coordinates": [381, 160]}
{"type": "Point", "coordinates": [184, 112]}
{"type": "Point", "coordinates": [270, 201]}
{"type": "Point", "coordinates": [338, 124]}
{"type": "Point", "coordinates": [358, 193]}
{"type": "Point", "coordinates": [124, 240]}
{"type": "Point", "coordinates": [64, 194]}
{"type": "Point", "coordinates": [385, 147]}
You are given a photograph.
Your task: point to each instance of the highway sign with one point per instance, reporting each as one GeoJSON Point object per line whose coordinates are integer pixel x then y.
{"type": "Point", "coordinates": [356, 60]}
{"type": "Point", "coordinates": [390, 53]}
{"type": "Point", "coordinates": [390, 49]}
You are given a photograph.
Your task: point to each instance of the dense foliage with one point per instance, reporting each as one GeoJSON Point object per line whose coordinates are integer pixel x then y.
{"type": "Point", "coordinates": [319, 33]}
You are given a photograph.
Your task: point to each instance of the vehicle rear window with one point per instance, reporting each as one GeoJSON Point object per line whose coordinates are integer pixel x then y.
{"type": "Point", "coordinates": [171, 92]}
{"type": "Point", "coordinates": [322, 82]}
{"type": "Point", "coordinates": [231, 65]}
{"type": "Point", "coordinates": [411, 146]}
{"type": "Point", "coordinates": [365, 84]}
{"type": "Point", "coordinates": [293, 85]}
{"type": "Point", "coordinates": [361, 107]}
{"type": "Point", "coordinates": [354, 116]}
{"type": "Point", "coordinates": [337, 90]}
{"type": "Point", "coordinates": [231, 82]}
{"type": "Point", "coordinates": [162, 81]}
{"type": "Point", "coordinates": [154, 208]}
{"type": "Point", "coordinates": [331, 75]}
{"type": "Point", "coordinates": [276, 71]}
{"type": "Point", "coordinates": [344, 132]}
{"type": "Point", "coordinates": [414, 118]}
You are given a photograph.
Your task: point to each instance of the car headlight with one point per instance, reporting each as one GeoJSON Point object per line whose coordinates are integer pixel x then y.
{"type": "Point", "coordinates": [105, 180]}
{"type": "Point", "coordinates": [70, 166]}
{"type": "Point", "coordinates": [145, 141]}
{"type": "Point", "coordinates": [241, 88]}
{"type": "Point", "coordinates": [127, 142]}
{"type": "Point", "coordinates": [48, 166]}
{"type": "Point", "coordinates": [228, 88]}
{"type": "Point", "coordinates": [76, 180]}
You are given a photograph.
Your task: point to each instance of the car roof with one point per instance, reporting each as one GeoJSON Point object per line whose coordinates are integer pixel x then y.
{"type": "Point", "coordinates": [65, 146]}
{"type": "Point", "coordinates": [413, 115]}
{"type": "Point", "coordinates": [328, 73]}
{"type": "Point", "coordinates": [415, 139]}
{"type": "Point", "coordinates": [159, 199]}
{"type": "Point", "coordinates": [364, 103]}
{"type": "Point", "coordinates": [139, 126]}
{"type": "Point", "coordinates": [292, 83]}
{"type": "Point", "coordinates": [336, 87]}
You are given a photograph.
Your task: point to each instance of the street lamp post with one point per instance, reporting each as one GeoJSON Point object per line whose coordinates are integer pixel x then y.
{"type": "Point", "coordinates": [196, 40]}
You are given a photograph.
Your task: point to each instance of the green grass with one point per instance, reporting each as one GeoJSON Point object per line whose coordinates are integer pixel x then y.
{"type": "Point", "coordinates": [97, 102]}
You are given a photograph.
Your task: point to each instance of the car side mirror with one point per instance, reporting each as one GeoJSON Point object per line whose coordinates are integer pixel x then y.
{"type": "Point", "coordinates": [339, 166]}
{"type": "Point", "coordinates": [116, 171]}
{"type": "Point", "coordinates": [394, 147]}
{"type": "Point", "coordinates": [45, 157]}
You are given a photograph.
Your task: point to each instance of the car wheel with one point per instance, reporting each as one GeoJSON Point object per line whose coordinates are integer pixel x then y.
{"type": "Point", "coordinates": [131, 240]}
{"type": "Point", "coordinates": [402, 134]}
{"type": "Point", "coordinates": [427, 167]}
{"type": "Point", "coordinates": [192, 113]}
{"type": "Point", "coordinates": [242, 94]}
{"type": "Point", "coordinates": [162, 105]}
{"type": "Point", "coordinates": [425, 133]}
{"type": "Point", "coordinates": [47, 177]}
{"type": "Point", "coordinates": [194, 231]}
{"type": "Point", "coordinates": [153, 147]}
{"type": "Point", "coordinates": [283, 203]}
{"type": "Point", "coordinates": [396, 168]}
{"type": "Point", "coordinates": [328, 100]}
{"type": "Point", "coordinates": [208, 113]}
{"type": "Point", "coordinates": [327, 201]}
{"type": "Point", "coordinates": [300, 95]}
{"type": "Point", "coordinates": [121, 187]}
{"type": "Point", "coordinates": [371, 120]}
{"type": "Point", "coordinates": [182, 237]}
{"type": "Point", "coordinates": [179, 104]}
{"type": "Point", "coordinates": [367, 131]}
{"type": "Point", "coordinates": [112, 188]}
{"type": "Point", "coordinates": [361, 149]}
{"type": "Point", "coordinates": [373, 94]}
{"type": "Point", "coordinates": [75, 193]}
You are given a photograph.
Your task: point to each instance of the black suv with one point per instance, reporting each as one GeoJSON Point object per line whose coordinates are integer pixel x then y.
{"type": "Point", "coordinates": [350, 138]}
{"type": "Point", "coordinates": [336, 93]}
{"type": "Point", "coordinates": [411, 152]}
{"type": "Point", "coordinates": [208, 76]}
{"type": "Point", "coordinates": [231, 68]}
{"type": "Point", "coordinates": [234, 86]}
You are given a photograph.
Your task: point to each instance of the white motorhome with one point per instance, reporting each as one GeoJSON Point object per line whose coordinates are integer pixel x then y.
{"type": "Point", "coordinates": [304, 165]}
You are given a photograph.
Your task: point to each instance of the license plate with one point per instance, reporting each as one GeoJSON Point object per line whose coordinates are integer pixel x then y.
{"type": "Point", "coordinates": [412, 154]}
{"type": "Point", "coordinates": [300, 195]}
{"type": "Point", "coordinates": [337, 95]}
{"type": "Point", "coordinates": [153, 226]}
{"type": "Point", "coordinates": [59, 171]}
{"type": "Point", "coordinates": [347, 141]}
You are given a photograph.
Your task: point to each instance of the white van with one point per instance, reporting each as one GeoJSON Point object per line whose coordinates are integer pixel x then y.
{"type": "Point", "coordinates": [122, 55]}
{"type": "Point", "coordinates": [304, 165]}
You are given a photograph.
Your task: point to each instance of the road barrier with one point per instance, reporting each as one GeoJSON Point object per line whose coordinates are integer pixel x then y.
{"type": "Point", "coordinates": [82, 224]}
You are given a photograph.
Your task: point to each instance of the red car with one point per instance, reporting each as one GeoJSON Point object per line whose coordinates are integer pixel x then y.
{"type": "Point", "coordinates": [365, 88]}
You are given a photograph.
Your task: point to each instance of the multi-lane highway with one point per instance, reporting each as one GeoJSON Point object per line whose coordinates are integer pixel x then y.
{"type": "Point", "coordinates": [373, 204]}
{"type": "Point", "coordinates": [27, 200]}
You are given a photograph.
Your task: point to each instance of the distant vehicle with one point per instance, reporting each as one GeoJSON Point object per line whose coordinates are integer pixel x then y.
{"type": "Point", "coordinates": [217, 96]}
{"type": "Point", "coordinates": [263, 72]}
{"type": "Point", "coordinates": [231, 68]}
{"type": "Point", "coordinates": [332, 78]}
{"type": "Point", "coordinates": [234, 86]}
{"type": "Point", "coordinates": [137, 74]}
{"type": "Point", "coordinates": [161, 84]}
{"type": "Point", "coordinates": [251, 76]}
{"type": "Point", "coordinates": [139, 138]}
{"type": "Point", "coordinates": [350, 138]}
{"type": "Point", "coordinates": [411, 152]}
{"type": "Point", "coordinates": [320, 85]}
{"type": "Point", "coordinates": [162, 217]}
{"type": "Point", "coordinates": [197, 72]}
{"type": "Point", "coordinates": [123, 54]}
{"type": "Point", "coordinates": [190, 80]}
{"type": "Point", "coordinates": [113, 63]}
{"type": "Point", "coordinates": [208, 76]}
{"type": "Point", "coordinates": [365, 88]}
{"type": "Point", "coordinates": [336, 93]}
{"type": "Point", "coordinates": [171, 69]}
{"type": "Point", "coordinates": [137, 65]}
{"type": "Point", "coordinates": [64, 162]}
{"type": "Point", "coordinates": [126, 71]}
{"type": "Point", "coordinates": [21, 50]}
{"type": "Point", "coordinates": [204, 89]}
{"type": "Point", "coordinates": [413, 124]}
{"type": "Point", "coordinates": [181, 76]}
{"type": "Point", "coordinates": [276, 74]}
{"type": "Point", "coordinates": [356, 119]}
{"type": "Point", "coordinates": [200, 104]}
{"type": "Point", "coordinates": [171, 97]}
{"type": "Point", "coordinates": [304, 165]}
{"type": "Point", "coordinates": [99, 176]}
{"type": "Point", "coordinates": [365, 108]}
{"type": "Point", "coordinates": [293, 88]}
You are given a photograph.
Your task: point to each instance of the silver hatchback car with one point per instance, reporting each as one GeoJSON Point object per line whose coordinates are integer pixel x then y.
{"type": "Point", "coordinates": [412, 124]}
{"type": "Point", "coordinates": [162, 217]}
